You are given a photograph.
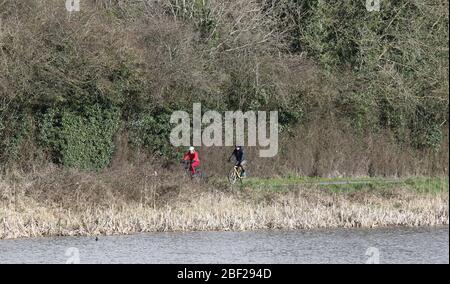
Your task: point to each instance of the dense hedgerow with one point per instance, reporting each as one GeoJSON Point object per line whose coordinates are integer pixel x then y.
{"type": "Point", "coordinates": [70, 81]}
{"type": "Point", "coordinates": [80, 138]}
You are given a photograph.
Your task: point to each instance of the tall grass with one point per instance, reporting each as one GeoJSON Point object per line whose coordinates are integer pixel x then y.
{"type": "Point", "coordinates": [59, 202]}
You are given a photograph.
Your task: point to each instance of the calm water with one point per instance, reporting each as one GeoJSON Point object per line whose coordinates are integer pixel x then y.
{"type": "Point", "coordinates": [393, 245]}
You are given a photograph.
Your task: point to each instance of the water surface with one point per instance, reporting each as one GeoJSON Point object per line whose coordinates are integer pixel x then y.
{"type": "Point", "coordinates": [387, 245]}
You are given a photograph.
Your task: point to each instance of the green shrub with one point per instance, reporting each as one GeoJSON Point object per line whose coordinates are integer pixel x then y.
{"type": "Point", "coordinates": [358, 108]}
{"type": "Point", "coordinates": [426, 131]}
{"type": "Point", "coordinates": [151, 131]}
{"type": "Point", "coordinates": [80, 138]}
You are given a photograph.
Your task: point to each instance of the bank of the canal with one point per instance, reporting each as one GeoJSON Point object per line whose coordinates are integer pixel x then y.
{"type": "Point", "coordinates": [75, 204]}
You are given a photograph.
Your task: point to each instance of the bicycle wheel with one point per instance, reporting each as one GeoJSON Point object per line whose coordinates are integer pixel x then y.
{"type": "Point", "coordinates": [187, 172]}
{"type": "Point", "coordinates": [232, 177]}
{"type": "Point", "coordinates": [198, 174]}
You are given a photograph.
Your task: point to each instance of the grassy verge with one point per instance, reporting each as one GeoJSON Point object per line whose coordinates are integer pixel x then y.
{"type": "Point", "coordinates": [55, 202]}
{"type": "Point", "coordinates": [347, 184]}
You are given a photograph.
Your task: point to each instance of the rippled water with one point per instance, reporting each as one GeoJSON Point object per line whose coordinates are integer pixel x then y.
{"type": "Point", "coordinates": [390, 245]}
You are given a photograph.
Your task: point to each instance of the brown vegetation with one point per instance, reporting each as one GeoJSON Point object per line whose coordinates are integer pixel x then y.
{"type": "Point", "coordinates": [135, 199]}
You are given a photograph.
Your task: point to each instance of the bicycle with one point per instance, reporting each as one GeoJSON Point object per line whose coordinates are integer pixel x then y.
{"type": "Point", "coordinates": [235, 174]}
{"type": "Point", "coordinates": [187, 170]}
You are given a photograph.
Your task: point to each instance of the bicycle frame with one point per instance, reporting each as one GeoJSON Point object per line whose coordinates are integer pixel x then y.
{"type": "Point", "coordinates": [235, 174]}
{"type": "Point", "coordinates": [187, 169]}
{"type": "Point", "coordinates": [238, 171]}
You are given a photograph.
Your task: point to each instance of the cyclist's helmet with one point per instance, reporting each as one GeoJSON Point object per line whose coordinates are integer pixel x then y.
{"type": "Point", "coordinates": [191, 149]}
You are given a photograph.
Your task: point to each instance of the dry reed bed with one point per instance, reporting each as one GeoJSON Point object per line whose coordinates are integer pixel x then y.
{"type": "Point", "coordinates": [100, 205]}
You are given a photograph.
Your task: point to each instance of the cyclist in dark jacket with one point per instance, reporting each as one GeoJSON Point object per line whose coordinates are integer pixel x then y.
{"type": "Point", "coordinates": [238, 154]}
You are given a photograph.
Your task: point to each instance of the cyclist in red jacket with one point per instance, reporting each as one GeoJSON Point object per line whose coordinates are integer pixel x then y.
{"type": "Point", "coordinates": [192, 156]}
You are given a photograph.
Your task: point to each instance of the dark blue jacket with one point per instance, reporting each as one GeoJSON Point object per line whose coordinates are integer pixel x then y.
{"type": "Point", "coordinates": [239, 154]}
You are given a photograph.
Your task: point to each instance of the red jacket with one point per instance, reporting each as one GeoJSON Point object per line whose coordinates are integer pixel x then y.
{"type": "Point", "coordinates": [191, 157]}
